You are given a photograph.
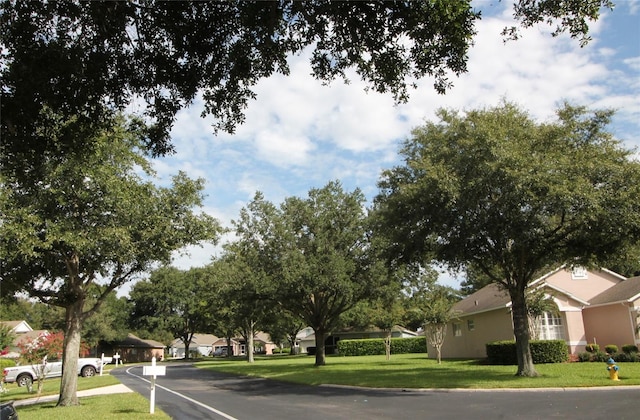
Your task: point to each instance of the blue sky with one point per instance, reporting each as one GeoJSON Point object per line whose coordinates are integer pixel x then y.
{"type": "Point", "coordinates": [300, 135]}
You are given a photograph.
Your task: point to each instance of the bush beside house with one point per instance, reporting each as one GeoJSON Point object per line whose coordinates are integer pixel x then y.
{"type": "Point", "coordinates": [542, 351]}
{"type": "Point", "coordinates": [375, 346]}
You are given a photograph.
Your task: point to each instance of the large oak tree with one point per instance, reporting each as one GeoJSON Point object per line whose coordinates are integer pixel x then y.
{"type": "Point", "coordinates": [85, 58]}
{"type": "Point", "coordinates": [325, 259]}
{"type": "Point", "coordinates": [512, 196]}
{"type": "Point", "coordinates": [93, 218]}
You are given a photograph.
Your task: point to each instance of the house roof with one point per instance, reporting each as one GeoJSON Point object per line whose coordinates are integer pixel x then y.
{"type": "Point", "coordinates": [135, 341]}
{"type": "Point", "coordinates": [490, 297]}
{"type": "Point", "coordinates": [17, 325]}
{"type": "Point", "coordinates": [29, 336]}
{"type": "Point", "coordinates": [625, 291]}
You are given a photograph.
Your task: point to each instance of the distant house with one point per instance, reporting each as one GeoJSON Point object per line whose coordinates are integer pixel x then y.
{"type": "Point", "coordinates": [331, 342]}
{"type": "Point", "coordinates": [133, 349]}
{"type": "Point", "coordinates": [23, 334]}
{"type": "Point", "coordinates": [238, 347]}
{"type": "Point", "coordinates": [200, 345]}
{"type": "Point", "coordinates": [593, 306]}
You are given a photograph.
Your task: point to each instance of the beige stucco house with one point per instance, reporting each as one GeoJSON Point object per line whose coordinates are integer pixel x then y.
{"type": "Point", "coordinates": [594, 306]}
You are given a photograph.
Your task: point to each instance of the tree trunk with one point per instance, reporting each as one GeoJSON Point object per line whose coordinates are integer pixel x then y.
{"type": "Point", "coordinates": [320, 350]}
{"type": "Point", "coordinates": [229, 345]}
{"type": "Point", "coordinates": [186, 349]}
{"type": "Point", "coordinates": [521, 332]}
{"type": "Point", "coordinates": [387, 344]}
{"type": "Point", "coordinates": [250, 358]}
{"type": "Point", "coordinates": [70, 353]}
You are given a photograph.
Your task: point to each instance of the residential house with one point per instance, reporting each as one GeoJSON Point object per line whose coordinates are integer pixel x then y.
{"type": "Point", "coordinates": [200, 345]}
{"type": "Point", "coordinates": [331, 341]}
{"type": "Point", "coordinates": [593, 306]}
{"type": "Point", "coordinates": [132, 349]}
{"type": "Point", "coordinates": [23, 334]}
{"type": "Point", "coordinates": [262, 344]}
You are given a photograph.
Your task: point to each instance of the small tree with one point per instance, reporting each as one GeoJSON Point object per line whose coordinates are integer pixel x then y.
{"type": "Point", "coordinates": [6, 337]}
{"type": "Point", "coordinates": [430, 306]}
{"type": "Point", "coordinates": [39, 350]}
{"type": "Point", "coordinates": [538, 302]}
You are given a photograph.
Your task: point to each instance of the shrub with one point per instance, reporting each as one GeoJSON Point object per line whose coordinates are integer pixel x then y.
{"type": "Point", "coordinates": [374, 346]}
{"type": "Point", "coordinates": [600, 356]}
{"type": "Point", "coordinates": [5, 363]}
{"type": "Point", "coordinates": [630, 348]}
{"type": "Point", "coordinates": [542, 351]}
{"type": "Point", "coordinates": [621, 357]}
{"type": "Point", "coordinates": [311, 351]}
{"type": "Point", "coordinates": [408, 345]}
{"type": "Point", "coordinates": [611, 349]}
{"type": "Point", "coordinates": [585, 356]}
{"type": "Point", "coordinates": [592, 348]}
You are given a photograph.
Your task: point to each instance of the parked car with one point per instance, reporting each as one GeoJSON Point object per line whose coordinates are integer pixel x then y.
{"type": "Point", "coordinates": [221, 351]}
{"type": "Point", "coordinates": [25, 375]}
{"type": "Point", "coordinates": [7, 411]}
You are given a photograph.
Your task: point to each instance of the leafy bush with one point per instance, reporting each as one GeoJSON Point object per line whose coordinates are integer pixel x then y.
{"type": "Point", "coordinates": [585, 356]}
{"type": "Point", "coordinates": [600, 356]}
{"type": "Point", "coordinates": [285, 350]}
{"type": "Point", "coordinates": [4, 363]}
{"type": "Point", "coordinates": [374, 346]}
{"type": "Point", "coordinates": [311, 351]}
{"type": "Point", "coordinates": [542, 351]}
{"type": "Point", "coordinates": [630, 348]}
{"type": "Point", "coordinates": [627, 357]}
{"type": "Point", "coordinates": [592, 348]}
{"type": "Point", "coordinates": [611, 349]}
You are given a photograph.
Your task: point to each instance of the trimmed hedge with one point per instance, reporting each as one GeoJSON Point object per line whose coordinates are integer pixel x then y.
{"type": "Point", "coordinates": [375, 346]}
{"type": "Point", "coordinates": [542, 351]}
{"type": "Point", "coordinates": [5, 363]}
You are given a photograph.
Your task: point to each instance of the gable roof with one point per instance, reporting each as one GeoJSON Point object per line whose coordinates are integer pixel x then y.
{"type": "Point", "coordinates": [625, 291]}
{"type": "Point", "coordinates": [489, 298]}
{"type": "Point", "coordinates": [493, 296]}
{"type": "Point", "coordinates": [17, 326]}
{"type": "Point", "coordinates": [135, 341]}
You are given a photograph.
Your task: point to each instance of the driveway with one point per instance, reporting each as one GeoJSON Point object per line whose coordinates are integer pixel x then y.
{"type": "Point", "coordinates": [188, 393]}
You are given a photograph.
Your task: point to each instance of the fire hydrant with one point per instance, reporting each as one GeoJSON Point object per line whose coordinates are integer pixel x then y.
{"type": "Point", "coordinates": [613, 369]}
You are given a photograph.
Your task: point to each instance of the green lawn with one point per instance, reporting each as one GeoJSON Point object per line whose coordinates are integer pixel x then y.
{"type": "Point", "coordinates": [417, 371]}
{"type": "Point", "coordinates": [52, 387]}
{"type": "Point", "coordinates": [117, 406]}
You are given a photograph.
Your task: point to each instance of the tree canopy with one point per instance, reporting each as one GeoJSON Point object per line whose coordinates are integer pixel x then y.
{"type": "Point", "coordinates": [495, 189]}
{"type": "Point", "coordinates": [173, 300]}
{"type": "Point", "coordinates": [91, 222]}
{"type": "Point", "coordinates": [87, 59]}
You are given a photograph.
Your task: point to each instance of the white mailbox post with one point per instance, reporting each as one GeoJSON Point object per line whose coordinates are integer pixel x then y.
{"type": "Point", "coordinates": [153, 371]}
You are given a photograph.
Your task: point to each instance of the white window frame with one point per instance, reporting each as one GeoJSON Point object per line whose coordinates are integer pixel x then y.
{"type": "Point", "coordinates": [457, 329]}
{"type": "Point", "coordinates": [551, 327]}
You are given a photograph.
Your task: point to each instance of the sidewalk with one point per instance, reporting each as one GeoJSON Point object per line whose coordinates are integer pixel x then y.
{"type": "Point", "coordinates": [113, 389]}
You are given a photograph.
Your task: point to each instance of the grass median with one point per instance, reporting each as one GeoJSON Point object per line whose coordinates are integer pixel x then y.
{"type": "Point", "coordinates": [416, 371]}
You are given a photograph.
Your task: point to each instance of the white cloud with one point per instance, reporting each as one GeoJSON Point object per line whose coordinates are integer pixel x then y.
{"type": "Point", "coordinates": [300, 134]}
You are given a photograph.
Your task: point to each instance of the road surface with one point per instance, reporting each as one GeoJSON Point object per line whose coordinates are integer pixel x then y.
{"type": "Point", "coordinates": [187, 393]}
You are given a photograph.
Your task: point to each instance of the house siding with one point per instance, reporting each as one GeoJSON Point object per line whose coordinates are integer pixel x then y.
{"type": "Point", "coordinates": [610, 324]}
{"type": "Point", "coordinates": [487, 327]}
{"type": "Point", "coordinates": [600, 306]}
{"type": "Point", "coordinates": [597, 281]}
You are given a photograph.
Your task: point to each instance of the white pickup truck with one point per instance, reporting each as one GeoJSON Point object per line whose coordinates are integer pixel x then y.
{"type": "Point", "coordinates": [24, 375]}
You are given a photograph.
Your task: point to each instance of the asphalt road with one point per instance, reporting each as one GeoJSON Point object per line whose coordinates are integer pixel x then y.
{"type": "Point", "coordinates": [187, 393]}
